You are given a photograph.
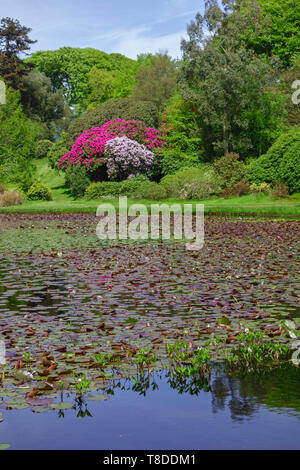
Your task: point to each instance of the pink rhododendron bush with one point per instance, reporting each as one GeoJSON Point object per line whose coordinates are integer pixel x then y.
{"type": "Point", "coordinates": [132, 153]}
{"type": "Point", "coordinates": [126, 157]}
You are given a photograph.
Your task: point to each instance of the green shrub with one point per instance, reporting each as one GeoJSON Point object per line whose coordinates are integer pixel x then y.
{"type": "Point", "coordinates": [39, 192]}
{"type": "Point", "coordinates": [172, 161]}
{"type": "Point", "coordinates": [131, 185]}
{"type": "Point", "coordinates": [77, 180]}
{"type": "Point", "coordinates": [124, 108]}
{"type": "Point", "coordinates": [57, 150]}
{"type": "Point", "coordinates": [192, 183]}
{"type": "Point", "coordinates": [103, 189]}
{"type": "Point", "coordinates": [42, 148]}
{"type": "Point", "coordinates": [11, 198]}
{"type": "Point", "coordinates": [281, 163]}
{"type": "Point", "coordinates": [127, 187]}
{"type": "Point", "coordinates": [151, 190]}
{"type": "Point", "coordinates": [230, 170]}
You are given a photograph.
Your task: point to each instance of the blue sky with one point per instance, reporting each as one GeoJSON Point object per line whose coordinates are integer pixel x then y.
{"type": "Point", "coordinates": [129, 27]}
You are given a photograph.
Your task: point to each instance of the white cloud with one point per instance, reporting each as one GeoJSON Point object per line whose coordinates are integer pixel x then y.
{"type": "Point", "coordinates": [137, 41]}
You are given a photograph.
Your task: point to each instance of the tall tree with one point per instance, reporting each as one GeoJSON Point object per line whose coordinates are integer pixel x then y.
{"type": "Point", "coordinates": [227, 80]}
{"type": "Point", "coordinates": [14, 40]}
{"type": "Point", "coordinates": [45, 105]}
{"type": "Point", "coordinates": [156, 80]}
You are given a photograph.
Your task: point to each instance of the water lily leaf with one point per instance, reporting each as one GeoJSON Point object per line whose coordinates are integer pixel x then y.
{"type": "Point", "coordinates": [97, 397]}
{"type": "Point", "coordinates": [61, 406]}
{"type": "Point", "coordinates": [223, 321]}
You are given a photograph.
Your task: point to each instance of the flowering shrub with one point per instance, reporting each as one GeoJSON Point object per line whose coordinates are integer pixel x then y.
{"type": "Point", "coordinates": [88, 149]}
{"type": "Point", "coordinates": [126, 157]}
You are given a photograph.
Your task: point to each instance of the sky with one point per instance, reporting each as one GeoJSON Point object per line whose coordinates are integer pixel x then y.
{"type": "Point", "coordinates": [129, 27]}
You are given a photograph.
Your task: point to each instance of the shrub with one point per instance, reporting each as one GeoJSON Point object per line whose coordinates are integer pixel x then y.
{"type": "Point", "coordinates": [280, 191]}
{"type": "Point", "coordinates": [151, 190]}
{"type": "Point", "coordinates": [172, 161]}
{"type": "Point", "coordinates": [126, 109]}
{"type": "Point", "coordinates": [281, 163]}
{"type": "Point", "coordinates": [39, 192]}
{"type": "Point", "coordinates": [242, 188]}
{"type": "Point", "coordinates": [127, 187]}
{"type": "Point", "coordinates": [192, 183]}
{"type": "Point", "coordinates": [11, 198]}
{"type": "Point", "coordinates": [125, 157]}
{"type": "Point", "coordinates": [89, 148]}
{"type": "Point", "coordinates": [230, 170]}
{"type": "Point", "coordinates": [2, 188]}
{"type": "Point", "coordinates": [261, 188]}
{"type": "Point", "coordinates": [42, 148]}
{"type": "Point", "coordinates": [103, 189]}
{"type": "Point", "coordinates": [77, 180]}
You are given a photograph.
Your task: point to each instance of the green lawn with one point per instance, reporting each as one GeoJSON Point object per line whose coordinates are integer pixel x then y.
{"type": "Point", "coordinates": [246, 205]}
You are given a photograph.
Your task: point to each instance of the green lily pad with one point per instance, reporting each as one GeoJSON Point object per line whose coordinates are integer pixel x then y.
{"type": "Point", "coordinates": [61, 406]}
{"type": "Point", "coordinates": [97, 397]}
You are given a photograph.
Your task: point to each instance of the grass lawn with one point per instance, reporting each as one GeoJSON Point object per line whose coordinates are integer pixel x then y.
{"type": "Point", "coordinates": [246, 205]}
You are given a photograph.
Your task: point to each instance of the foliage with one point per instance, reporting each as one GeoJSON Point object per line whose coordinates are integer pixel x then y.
{"type": "Point", "coordinates": [192, 183]}
{"type": "Point", "coordinates": [151, 190]}
{"type": "Point", "coordinates": [280, 191]}
{"type": "Point", "coordinates": [181, 129]}
{"type": "Point", "coordinates": [126, 109]}
{"type": "Point", "coordinates": [18, 136]}
{"type": "Point", "coordinates": [261, 188]}
{"type": "Point", "coordinates": [230, 169]}
{"type": "Point", "coordinates": [125, 157]}
{"type": "Point", "coordinates": [39, 192]}
{"type": "Point", "coordinates": [10, 198]}
{"type": "Point", "coordinates": [77, 180]}
{"type": "Point", "coordinates": [57, 150]}
{"type": "Point", "coordinates": [254, 352]}
{"type": "Point", "coordinates": [89, 148]}
{"type": "Point", "coordinates": [70, 69]}
{"type": "Point", "coordinates": [242, 188]}
{"type": "Point", "coordinates": [42, 148]}
{"type": "Point", "coordinates": [228, 82]}
{"type": "Point", "coordinates": [281, 35]}
{"type": "Point", "coordinates": [14, 40]}
{"type": "Point", "coordinates": [281, 163]}
{"type": "Point", "coordinates": [127, 187]}
{"type": "Point", "coordinates": [44, 105]}
{"type": "Point", "coordinates": [156, 80]}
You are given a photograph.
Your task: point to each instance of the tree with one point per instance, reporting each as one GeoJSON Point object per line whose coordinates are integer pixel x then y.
{"type": "Point", "coordinates": [70, 68]}
{"type": "Point", "coordinates": [44, 105]}
{"type": "Point", "coordinates": [228, 81]}
{"type": "Point", "coordinates": [282, 35]}
{"type": "Point", "coordinates": [14, 40]}
{"type": "Point", "coordinates": [18, 136]}
{"type": "Point", "coordinates": [156, 81]}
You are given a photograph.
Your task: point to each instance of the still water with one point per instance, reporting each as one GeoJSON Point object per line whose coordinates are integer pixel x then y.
{"type": "Point", "coordinates": [228, 413]}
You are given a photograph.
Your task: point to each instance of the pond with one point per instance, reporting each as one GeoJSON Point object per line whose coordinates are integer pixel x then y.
{"type": "Point", "coordinates": [128, 346]}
